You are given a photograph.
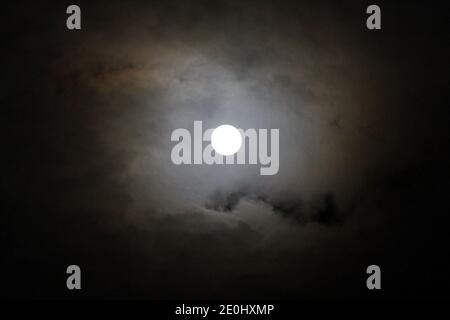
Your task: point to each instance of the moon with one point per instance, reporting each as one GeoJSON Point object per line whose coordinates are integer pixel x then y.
{"type": "Point", "coordinates": [226, 140]}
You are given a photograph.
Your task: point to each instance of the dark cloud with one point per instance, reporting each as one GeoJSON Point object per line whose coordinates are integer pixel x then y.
{"type": "Point", "coordinates": [324, 210]}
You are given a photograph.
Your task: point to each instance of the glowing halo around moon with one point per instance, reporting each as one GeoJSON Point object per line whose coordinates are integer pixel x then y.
{"type": "Point", "coordinates": [226, 140]}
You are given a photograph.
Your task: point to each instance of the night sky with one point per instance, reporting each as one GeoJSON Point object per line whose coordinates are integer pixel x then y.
{"type": "Point", "coordinates": [364, 150]}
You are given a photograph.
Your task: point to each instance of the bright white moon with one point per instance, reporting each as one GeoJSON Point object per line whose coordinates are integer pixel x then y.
{"type": "Point", "coordinates": [226, 140]}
